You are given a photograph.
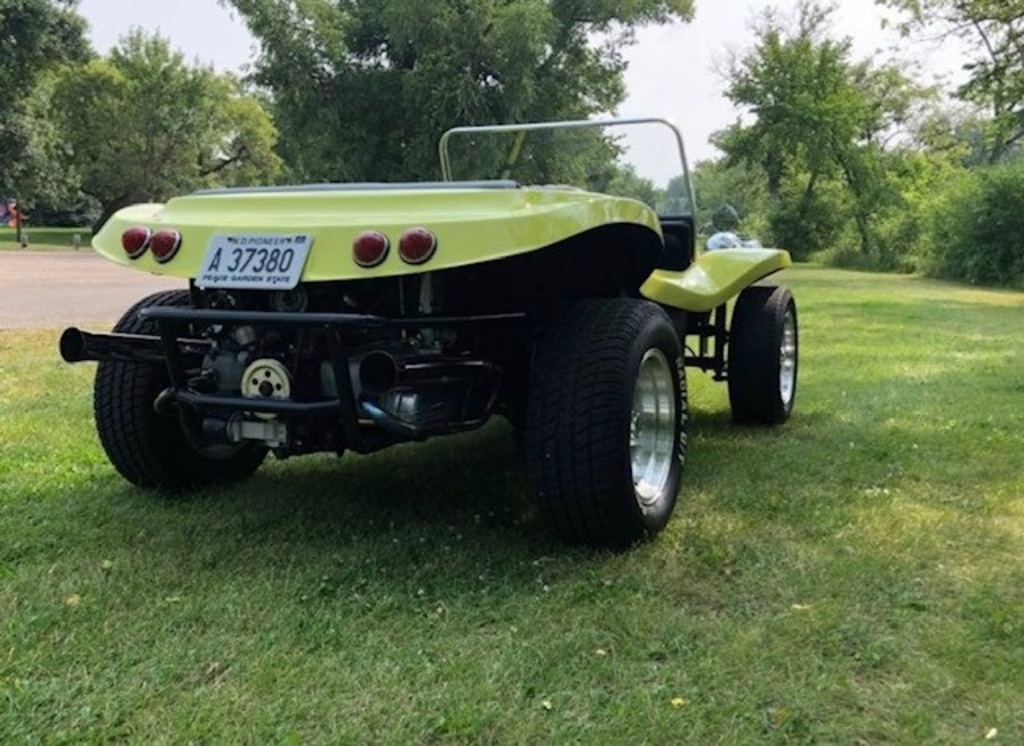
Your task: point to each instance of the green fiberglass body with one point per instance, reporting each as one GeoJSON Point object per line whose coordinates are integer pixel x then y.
{"type": "Point", "coordinates": [351, 317]}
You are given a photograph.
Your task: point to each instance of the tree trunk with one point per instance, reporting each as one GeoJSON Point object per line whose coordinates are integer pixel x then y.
{"type": "Point", "coordinates": [860, 213]}
{"type": "Point", "coordinates": [109, 208]}
{"type": "Point", "coordinates": [808, 196]}
{"type": "Point", "coordinates": [863, 224]}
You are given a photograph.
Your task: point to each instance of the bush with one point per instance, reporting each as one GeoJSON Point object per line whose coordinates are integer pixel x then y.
{"type": "Point", "coordinates": [847, 255]}
{"type": "Point", "coordinates": [976, 228]}
{"type": "Point", "coordinates": [898, 224]}
{"type": "Point", "coordinates": [83, 210]}
{"type": "Point", "coordinates": [805, 228]}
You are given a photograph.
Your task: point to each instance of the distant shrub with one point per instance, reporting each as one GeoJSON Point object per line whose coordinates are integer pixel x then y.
{"type": "Point", "coordinates": [898, 235]}
{"type": "Point", "coordinates": [848, 255]}
{"type": "Point", "coordinates": [976, 228]}
{"type": "Point", "coordinates": [898, 223]}
{"type": "Point", "coordinates": [81, 211]}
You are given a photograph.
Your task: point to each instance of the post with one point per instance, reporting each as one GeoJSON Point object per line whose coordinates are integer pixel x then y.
{"type": "Point", "coordinates": [19, 234]}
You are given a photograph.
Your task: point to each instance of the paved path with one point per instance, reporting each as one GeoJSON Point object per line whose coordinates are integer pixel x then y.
{"type": "Point", "coordinates": [44, 290]}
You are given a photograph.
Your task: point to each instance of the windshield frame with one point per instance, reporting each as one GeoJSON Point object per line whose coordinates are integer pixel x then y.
{"type": "Point", "coordinates": [446, 165]}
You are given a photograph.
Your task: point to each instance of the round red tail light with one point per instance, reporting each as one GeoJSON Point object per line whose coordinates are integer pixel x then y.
{"type": "Point", "coordinates": [370, 248]}
{"type": "Point", "coordinates": [164, 245]}
{"type": "Point", "coordinates": [417, 245]}
{"type": "Point", "coordinates": [136, 240]}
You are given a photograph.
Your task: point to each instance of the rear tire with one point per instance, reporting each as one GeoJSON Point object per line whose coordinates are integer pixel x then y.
{"type": "Point", "coordinates": [606, 423]}
{"type": "Point", "coordinates": [763, 356]}
{"type": "Point", "coordinates": [147, 449]}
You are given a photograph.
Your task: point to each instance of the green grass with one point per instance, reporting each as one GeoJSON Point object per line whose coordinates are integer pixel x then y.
{"type": "Point", "coordinates": [45, 239]}
{"type": "Point", "coordinates": [852, 577]}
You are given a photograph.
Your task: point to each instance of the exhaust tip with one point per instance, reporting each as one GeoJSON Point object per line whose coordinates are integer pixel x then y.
{"type": "Point", "coordinates": [72, 345]}
{"type": "Point", "coordinates": [378, 372]}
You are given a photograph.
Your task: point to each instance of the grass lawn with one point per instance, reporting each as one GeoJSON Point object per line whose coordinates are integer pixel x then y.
{"type": "Point", "coordinates": [44, 239]}
{"type": "Point", "coordinates": [852, 577]}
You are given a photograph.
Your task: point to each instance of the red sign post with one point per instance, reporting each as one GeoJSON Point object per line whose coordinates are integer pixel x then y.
{"type": "Point", "coordinates": [10, 217]}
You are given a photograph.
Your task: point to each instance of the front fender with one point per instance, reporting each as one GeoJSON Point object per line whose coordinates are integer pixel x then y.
{"type": "Point", "coordinates": [714, 278]}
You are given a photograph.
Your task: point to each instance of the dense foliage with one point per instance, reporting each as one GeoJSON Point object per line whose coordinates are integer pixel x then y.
{"type": "Point", "coordinates": [143, 126]}
{"type": "Point", "coordinates": [36, 36]}
{"type": "Point", "coordinates": [362, 89]}
{"type": "Point", "coordinates": [993, 31]}
{"type": "Point", "coordinates": [81, 136]}
{"type": "Point", "coordinates": [853, 163]}
{"type": "Point", "coordinates": [975, 228]}
{"type": "Point", "coordinates": [817, 135]}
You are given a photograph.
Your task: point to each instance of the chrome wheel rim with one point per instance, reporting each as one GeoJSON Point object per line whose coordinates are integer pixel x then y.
{"type": "Point", "coordinates": [652, 428]}
{"type": "Point", "coordinates": [787, 359]}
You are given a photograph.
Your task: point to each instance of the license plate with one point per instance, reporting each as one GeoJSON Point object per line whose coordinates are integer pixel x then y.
{"type": "Point", "coordinates": [262, 261]}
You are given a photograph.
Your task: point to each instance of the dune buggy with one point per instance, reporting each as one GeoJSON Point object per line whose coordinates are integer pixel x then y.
{"type": "Point", "coordinates": [351, 317]}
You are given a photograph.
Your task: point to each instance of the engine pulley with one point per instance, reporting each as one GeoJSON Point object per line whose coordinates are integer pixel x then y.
{"type": "Point", "coordinates": [267, 378]}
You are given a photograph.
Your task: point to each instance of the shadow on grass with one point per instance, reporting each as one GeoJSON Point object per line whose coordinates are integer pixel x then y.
{"type": "Point", "coordinates": [471, 485]}
{"type": "Point", "coordinates": [465, 496]}
{"type": "Point", "coordinates": [440, 516]}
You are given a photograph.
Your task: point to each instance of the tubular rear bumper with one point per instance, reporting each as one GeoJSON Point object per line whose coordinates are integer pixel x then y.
{"type": "Point", "coordinates": [180, 353]}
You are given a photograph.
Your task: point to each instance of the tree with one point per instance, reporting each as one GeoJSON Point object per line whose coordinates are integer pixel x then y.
{"type": "Point", "coordinates": [622, 180]}
{"type": "Point", "coordinates": [143, 126]}
{"type": "Point", "coordinates": [817, 117]}
{"type": "Point", "coordinates": [716, 184]}
{"type": "Point", "coordinates": [994, 32]}
{"type": "Point", "coordinates": [363, 90]}
{"type": "Point", "coordinates": [35, 37]}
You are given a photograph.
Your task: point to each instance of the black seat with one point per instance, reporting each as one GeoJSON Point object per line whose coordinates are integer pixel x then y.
{"type": "Point", "coordinates": [679, 243]}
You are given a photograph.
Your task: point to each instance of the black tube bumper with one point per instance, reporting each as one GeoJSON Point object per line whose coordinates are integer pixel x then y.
{"type": "Point", "coordinates": [180, 353]}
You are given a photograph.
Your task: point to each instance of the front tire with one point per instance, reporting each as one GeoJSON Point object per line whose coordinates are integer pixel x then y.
{"type": "Point", "coordinates": [606, 422]}
{"type": "Point", "coordinates": [763, 356]}
{"type": "Point", "coordinates": [147, 449]}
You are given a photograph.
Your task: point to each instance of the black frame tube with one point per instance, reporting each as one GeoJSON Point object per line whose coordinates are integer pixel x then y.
{"type": "Point", "coordinates": [302, 318]}
{"type": "Point", "coordinates": [714, 339]}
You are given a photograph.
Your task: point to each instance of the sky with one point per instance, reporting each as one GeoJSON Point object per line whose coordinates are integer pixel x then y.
{"type": "Point", "coordinates": [671, 69]}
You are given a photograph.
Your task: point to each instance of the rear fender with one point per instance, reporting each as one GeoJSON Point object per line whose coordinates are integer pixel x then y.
{"type": "Point", "coordinates": [714, 278]}
{"type": "Point", "coordinates": [473, 224]}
